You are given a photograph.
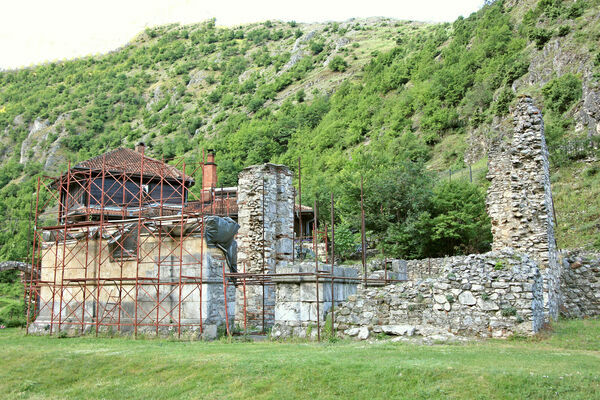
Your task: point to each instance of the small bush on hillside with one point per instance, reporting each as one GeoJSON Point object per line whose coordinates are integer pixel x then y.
{"type": "Point", "coordinates": [564, 30]}
{"type": "Point", "coordinates": [560, 93]}
{"type": "Point", "coordinates": [504, 99]}
{"type": "Point", "coordinates": [316, 46]}
{"type": "Point", "coordinates": [338, 64]}
{"type": "Point", "coordinates": [540, 36]}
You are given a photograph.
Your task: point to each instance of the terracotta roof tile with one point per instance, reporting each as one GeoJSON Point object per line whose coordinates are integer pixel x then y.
{"type": "Point", "coordinates": [130, 161]}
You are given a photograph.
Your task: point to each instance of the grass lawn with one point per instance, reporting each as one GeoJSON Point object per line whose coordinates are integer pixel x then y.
{"type": "Point", "coordinates": [563, 365]}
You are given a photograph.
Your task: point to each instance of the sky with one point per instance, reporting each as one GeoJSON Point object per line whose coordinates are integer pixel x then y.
{"type": "Point", "coordinates": [37, 31]}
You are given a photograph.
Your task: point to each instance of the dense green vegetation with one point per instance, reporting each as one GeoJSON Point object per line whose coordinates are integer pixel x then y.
{"type": "Point", "coordinates": [12, 303]}
{"type": "Point", "coordinates": [564, 365]}
{"type": "Point", "coordinates": [390, 101]}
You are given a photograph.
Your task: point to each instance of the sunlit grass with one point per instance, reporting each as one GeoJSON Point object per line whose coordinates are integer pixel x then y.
{"type": "Point", "coordinates": [564, 364]}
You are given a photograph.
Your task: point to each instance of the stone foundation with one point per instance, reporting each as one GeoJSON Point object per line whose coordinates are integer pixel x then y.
{"type": "Point", "coordinates": [296, 311]}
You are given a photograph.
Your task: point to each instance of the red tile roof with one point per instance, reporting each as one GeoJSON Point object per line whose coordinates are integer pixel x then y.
{"type": "Point", "coordinates": [130, 161]}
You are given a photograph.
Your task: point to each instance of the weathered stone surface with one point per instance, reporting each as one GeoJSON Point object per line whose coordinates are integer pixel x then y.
{"type": "Point", "coordinates": [352, 331]}
{"type": "Point", "coordinates": [487, 305]}
{"type": "Point", "coordinates": [399, 330]}
{"type": "Point", "coordinates": [208, 304]}
{"type": "Point", "coordinates": [265, 214]}
{"type": "Point", "coordinates": [466, 298]}
{"type": "Point", "coordinates": [363, 333]}
{"type": "Point", "coordinates": [519, 199]}
{"type": "Point", "coordinates": [439, 308]}
{"type": "Point", "coordinates": [298, 302]}
{"type": "Point", "coordinates": [580, 284]}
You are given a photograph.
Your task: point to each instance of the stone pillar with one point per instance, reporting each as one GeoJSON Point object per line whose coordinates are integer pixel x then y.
{"type": "Point", "coordinates": [265, 215]}
{"type": "Point", "coordinates": [519, 199]}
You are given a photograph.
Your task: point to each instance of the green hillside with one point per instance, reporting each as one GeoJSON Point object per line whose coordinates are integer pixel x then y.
{"type": "Point", "coordinates": [397, 102]}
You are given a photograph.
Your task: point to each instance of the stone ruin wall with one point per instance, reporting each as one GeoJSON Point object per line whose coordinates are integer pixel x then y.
{"type": "Point", "coordinates": [275, 220]}
{"type": "Point", "coordinates": [579, 284]}
{"type": "Point", "coordinates": [519, 200]}
{"type": "Point", "coordinates": [515, 289]}
{"type": "Point", "coordinates": [496, 294]}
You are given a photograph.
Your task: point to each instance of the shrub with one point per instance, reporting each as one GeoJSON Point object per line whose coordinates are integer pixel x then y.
{"type": "Point", "coordinates": [564, 30]}
{"type": "Point", "coordinates": [503, 101]}
{"type": "Point", "coordinates": [256, 103]}
{"type": "Point", "coordinates": [560, 93]}
{"type": "Point", "coordinates": [316, 46]}
{"type": "Point", "coordinates": [338, 64]}
{"type": "Point", "coordinates": [508, 311]}
{"type": "Point", "coordinates": [540, 36]}
{"type": "Point", "coordinates": [577, 9]}
{"type": "Point", "coordinates": [346, 241]}
{"type": "Point", "coordinates": [591, 171]}
{"type": "Point", "coordinates": [517, 70]}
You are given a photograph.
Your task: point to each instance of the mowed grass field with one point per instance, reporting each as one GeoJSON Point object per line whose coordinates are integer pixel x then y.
{"type": "Point", "coordinates": [564, 364]}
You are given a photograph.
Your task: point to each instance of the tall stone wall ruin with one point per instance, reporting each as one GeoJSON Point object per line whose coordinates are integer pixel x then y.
{"type": "Point", "coordinates": [265, 214]}
{"type": "Point", "coordinates": [519, 199]}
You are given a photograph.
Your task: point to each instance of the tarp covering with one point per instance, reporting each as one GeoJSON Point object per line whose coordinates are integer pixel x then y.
{"type": "Point", "coordinates": [220, 232]}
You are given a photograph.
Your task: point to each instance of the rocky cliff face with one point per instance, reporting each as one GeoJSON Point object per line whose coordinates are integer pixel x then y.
{"type": "Point", "coordinates": [43, 143]}
{"type": "Point", "coordinates": [558, 57]}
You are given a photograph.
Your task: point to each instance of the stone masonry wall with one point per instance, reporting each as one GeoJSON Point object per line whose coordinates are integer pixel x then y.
{"type": "Point", "coordinates": [519, 200]}
{"type": "Point", "coordinates": [496, 294]}
{"type": "Point", "coordinates": [428, 267]}
{"type": "Point", "coordinates": [268, 213]}
{"type": "Point", "coordinates": [580, 284]}
{"type": "Point", "coordinates": [296, 311]}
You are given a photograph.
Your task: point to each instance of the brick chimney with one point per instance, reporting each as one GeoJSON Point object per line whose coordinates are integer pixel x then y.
{"type": "Point", "coordinates": [209, 171]}
{"type": "Point", "coordinates": [140, 147]}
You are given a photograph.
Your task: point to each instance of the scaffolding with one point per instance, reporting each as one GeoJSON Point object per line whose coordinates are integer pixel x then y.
{"type": "Point", "coordinates": [114, 238]}
{"type": "Point", "coordinates": [113, 252]}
